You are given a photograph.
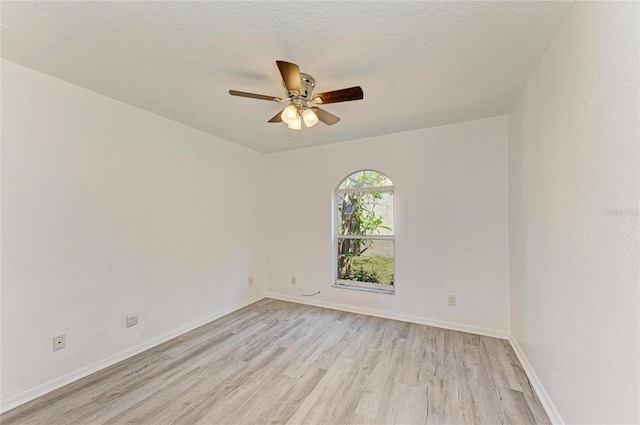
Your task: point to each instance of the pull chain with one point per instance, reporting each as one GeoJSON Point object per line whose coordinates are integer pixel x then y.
{"type": "Point", "coordinates": [297, 142]}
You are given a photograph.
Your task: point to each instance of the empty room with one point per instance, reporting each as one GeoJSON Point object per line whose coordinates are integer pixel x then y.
{"type": "Point", "coordinates": [420, 212]}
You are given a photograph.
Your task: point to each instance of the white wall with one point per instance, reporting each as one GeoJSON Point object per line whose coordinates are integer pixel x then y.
{"type": "Point", "coordinates": [450, 223]}
{"type": "Point", "coordinates": [573, 169]}
{"type": "Point", "coordinates": [107, 210]}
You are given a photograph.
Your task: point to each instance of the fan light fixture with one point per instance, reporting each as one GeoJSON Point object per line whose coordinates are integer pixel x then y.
{"type": "Point", "coordinates": [296, 124]}
{"type": "Point", "coordinates": [289, 114]}
{"type": "Point", "coordinates": [310, 117]}
{"type": "Point", "coordinates": [292, 116]}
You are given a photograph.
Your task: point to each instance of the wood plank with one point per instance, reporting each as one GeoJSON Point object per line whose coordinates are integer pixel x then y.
{"type": "Point", "coordinates": [276, 362]}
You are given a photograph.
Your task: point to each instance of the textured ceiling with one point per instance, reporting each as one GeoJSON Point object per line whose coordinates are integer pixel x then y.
{"type": "Point", "coordinates": [420, 64]}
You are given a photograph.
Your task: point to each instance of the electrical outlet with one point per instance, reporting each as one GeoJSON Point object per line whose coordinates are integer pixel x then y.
{"type": "Point", "coordinates": [451, 299]}
{"type": "Point", "coordinates": [132, 319]}
{"type": "Point", "coordinates": [59, 342]}
{"type": "Point", "coordinates": [250, 280]}
{"type": "Point", "coordinates": [293, 280]}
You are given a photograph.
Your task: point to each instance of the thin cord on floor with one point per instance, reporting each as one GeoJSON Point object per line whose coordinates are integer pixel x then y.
{"type": "Point", "coordinates": [311, 295]}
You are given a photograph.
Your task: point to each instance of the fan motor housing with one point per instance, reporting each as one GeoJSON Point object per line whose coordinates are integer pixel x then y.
{"type": "Point", "coordinates": [308, 84]}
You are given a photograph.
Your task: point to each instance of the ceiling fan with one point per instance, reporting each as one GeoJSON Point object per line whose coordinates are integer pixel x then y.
{"type": "Point", "coordinates": [300, 95]}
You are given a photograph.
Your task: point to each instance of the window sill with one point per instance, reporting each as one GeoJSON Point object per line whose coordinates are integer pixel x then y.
{"type": "Point", "coordinates": [365, 289]}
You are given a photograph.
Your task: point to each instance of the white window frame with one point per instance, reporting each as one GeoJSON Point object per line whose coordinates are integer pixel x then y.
{"type": "Point", "coordinates": [354, 284]}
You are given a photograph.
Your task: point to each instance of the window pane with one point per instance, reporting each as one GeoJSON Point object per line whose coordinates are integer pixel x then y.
{"type": "Point", "coordinates": [366, 260]}
{"type": "Point", "coordinates": [366, 178]}
{"type": "Point", "coordinates": [365, 213]}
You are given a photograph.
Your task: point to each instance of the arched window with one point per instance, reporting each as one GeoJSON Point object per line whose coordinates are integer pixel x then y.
{"type": "Point", "coordinates": [363, 232]}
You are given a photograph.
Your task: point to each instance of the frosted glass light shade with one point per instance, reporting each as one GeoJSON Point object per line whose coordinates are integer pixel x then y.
{"type": "Point", "coordinates": [310, 118]}
{"type": "Point", "coordinates": [296, 124]}
{"type": "Point", "coordinates": [289, 114]}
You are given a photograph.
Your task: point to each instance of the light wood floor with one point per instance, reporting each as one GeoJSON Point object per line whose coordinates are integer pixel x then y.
{"type": "Point", "coordinates": [275, 362]}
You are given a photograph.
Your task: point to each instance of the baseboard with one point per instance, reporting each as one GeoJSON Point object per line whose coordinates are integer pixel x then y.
{"type": "Point", "coordinates": [394, 316]}
{"type": "Point", "coordinates": [54, 384]}
{"type": "Point", "coordinates": [553, 414]}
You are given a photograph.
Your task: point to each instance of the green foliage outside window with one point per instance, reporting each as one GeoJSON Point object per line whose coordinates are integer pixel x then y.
{"type": "Point", "coordinates": [358, 259]}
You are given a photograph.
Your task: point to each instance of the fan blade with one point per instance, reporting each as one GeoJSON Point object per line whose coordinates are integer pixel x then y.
{"type": "Point", "coordinates": [291, 76]}
{"type": "Point", "coordinates": [277, 117]}
{"type": "Point", "coordinates": [254, 96]}
{"type": "Point", "coordinates": [344, 95]}
{"type": "Point", "coordinates": [325, 117]}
